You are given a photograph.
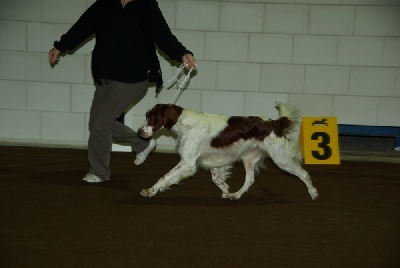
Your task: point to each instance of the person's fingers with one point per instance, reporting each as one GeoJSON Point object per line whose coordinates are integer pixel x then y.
{"type": "Point", "coordinates": [54, 55]}
{"type": "Point", "coordinates": [189, 61]}
{"type": "Point", "coordinates": [51, 56]}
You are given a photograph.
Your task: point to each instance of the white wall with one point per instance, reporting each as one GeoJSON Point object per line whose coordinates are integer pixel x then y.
{"type": "Point", "coordinates": [330, 57]}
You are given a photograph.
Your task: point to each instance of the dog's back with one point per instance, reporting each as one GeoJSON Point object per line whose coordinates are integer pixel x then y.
{"type": "Point", "coordinates": [221, 140]}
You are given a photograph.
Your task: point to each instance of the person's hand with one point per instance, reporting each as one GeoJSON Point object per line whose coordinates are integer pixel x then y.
{"type": "Point", "coordinates": [189, 61]}
{"type": "Point", "coordinates": [54, 56]}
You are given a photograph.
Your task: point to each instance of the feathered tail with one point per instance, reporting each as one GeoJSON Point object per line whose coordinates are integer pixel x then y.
{"type": "Point", "coordinates": [291, 113]}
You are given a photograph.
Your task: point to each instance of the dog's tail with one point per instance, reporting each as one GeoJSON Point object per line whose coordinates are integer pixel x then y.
{"type": "Point", "coordinates": [291, 113]}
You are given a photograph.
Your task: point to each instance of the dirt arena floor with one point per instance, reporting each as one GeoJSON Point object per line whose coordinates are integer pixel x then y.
{"type": "Point", "coordinates": [50, 219]}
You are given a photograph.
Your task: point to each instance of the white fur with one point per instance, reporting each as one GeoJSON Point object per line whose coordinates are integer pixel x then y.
{"type": "Point", "coordinates": [195, 131]}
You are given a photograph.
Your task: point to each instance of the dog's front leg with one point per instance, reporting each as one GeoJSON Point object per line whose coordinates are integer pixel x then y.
{"type": "Point", "coordinates": [188, 150]}
{"type": "Point", "coordinates": [181, 171]}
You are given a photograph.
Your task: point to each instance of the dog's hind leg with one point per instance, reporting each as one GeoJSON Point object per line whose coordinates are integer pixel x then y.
{"type": "Point", "coordinates": [181, 171]}
{"type": "Point", "coordinates": [285, 155]}
{"type": "Point", "coordinates": [297, 170]}
{"type": "Point", "coordinates": [219, 176]}
{"type": "Point", "coordinates": [250, 162]}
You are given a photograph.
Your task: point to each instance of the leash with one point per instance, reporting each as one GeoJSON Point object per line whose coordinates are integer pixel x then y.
{"type": "Point", "coordinates": [180, 85]}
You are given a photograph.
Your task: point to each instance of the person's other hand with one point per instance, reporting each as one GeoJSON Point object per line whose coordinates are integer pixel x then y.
{"type": "Point", "coordinates": [54, 55]}
{"type": "Point", "coordinates": [189, 61]}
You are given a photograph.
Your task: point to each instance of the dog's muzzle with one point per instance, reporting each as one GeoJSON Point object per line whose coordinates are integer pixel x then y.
{"type": "Point", "coordinates": [145, 131]}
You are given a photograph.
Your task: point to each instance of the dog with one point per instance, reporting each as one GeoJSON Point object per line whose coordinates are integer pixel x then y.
{"type": "Point", "coordinates": [215, 142]}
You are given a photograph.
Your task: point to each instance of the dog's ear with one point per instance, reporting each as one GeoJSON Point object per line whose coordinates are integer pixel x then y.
{"type": "Point", "coordinates": [172, 114]}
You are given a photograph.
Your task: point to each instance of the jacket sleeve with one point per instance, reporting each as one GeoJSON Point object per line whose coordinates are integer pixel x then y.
{"type": "Point", "coordinates": [164, 38]}
{"type": "Point", "coordinates": [80, 31]}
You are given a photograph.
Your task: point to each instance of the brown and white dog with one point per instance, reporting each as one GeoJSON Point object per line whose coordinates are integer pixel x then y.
{"type": "Point", "coordinates": [215, 142]}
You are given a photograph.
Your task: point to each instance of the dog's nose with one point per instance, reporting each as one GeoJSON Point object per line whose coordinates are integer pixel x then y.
{"type": "Point", "coordinates": [141, 132]}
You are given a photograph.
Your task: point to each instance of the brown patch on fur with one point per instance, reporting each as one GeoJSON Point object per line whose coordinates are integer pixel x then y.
{"type": "Point", "coordinates": [252, 127]}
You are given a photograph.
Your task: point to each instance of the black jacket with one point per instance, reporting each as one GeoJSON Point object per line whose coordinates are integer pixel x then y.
{"type": "Point", "coordinates": [126, 40]}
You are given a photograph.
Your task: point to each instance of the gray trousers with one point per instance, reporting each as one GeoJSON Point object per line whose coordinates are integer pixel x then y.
{"type": "Point", "coordinates": [110, 100]}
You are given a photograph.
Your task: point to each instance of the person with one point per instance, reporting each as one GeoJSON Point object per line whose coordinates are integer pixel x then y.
{"type": "Point", "coordinates": [124, 62]}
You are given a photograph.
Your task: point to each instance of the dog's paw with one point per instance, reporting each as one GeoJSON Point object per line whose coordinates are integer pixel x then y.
{"type": "Point", "coordinates": [225, 195]}
{"type": "Point", "coordinates": [148, 193]}
{"type": "Point", "coordinates": [313, 193]}
{"type": "Point", "coordinates": [233, 196]}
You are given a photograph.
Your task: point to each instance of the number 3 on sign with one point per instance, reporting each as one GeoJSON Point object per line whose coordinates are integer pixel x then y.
{"type": "Point", "coordinates": [319, 138]}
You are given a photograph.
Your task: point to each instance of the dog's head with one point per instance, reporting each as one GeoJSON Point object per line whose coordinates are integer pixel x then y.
{"type": "Point", "coordinates": [158, 117]}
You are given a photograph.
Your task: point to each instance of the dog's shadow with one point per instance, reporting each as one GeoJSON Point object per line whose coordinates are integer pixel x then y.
{"type": "Point", "coordinates": [201, 202]}
{"type": "Point", "coordinates": [178, 196]}
{"type": "Point", "coordinates": [199, 190]}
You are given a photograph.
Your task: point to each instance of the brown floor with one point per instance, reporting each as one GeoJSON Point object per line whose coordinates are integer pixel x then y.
{"type": "Point", "coordinates": [48, 218]}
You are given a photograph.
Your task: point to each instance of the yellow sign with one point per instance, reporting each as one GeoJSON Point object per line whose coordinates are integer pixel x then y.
{"type": "Point", "coordinates": [320, 140]}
